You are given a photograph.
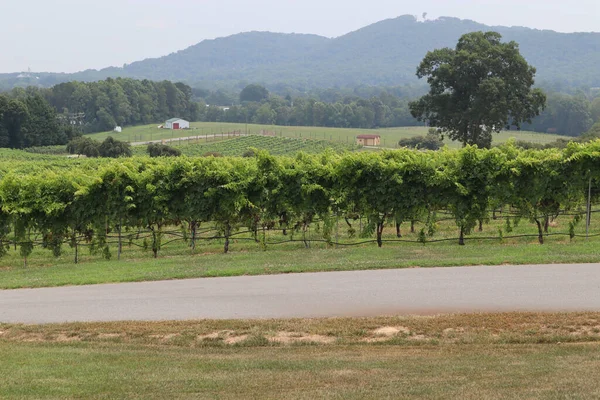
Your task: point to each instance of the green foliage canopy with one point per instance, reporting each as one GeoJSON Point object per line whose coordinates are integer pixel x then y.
{"type": "Point", "coordinates": [480, 87]}
{"type": "Point", "coordinates": [69, 201]}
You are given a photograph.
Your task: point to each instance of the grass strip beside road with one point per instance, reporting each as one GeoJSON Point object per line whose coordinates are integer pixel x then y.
{"type": "Point", "coordinates": [449, 356]}
{"type": "Point", "coordinates": [50, 272]}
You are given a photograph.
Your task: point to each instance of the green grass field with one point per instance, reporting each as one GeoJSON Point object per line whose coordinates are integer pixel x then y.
{"type": "Point", "coordinates": [550, 356]}
{"type": "Point", "coordinates": [389, 136]}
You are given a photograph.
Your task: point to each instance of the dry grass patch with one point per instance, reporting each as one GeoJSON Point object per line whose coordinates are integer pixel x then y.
{"type": "Point", "coordinates": [440, 329]}
{"type": "Point", "coordinates": [478, 356]}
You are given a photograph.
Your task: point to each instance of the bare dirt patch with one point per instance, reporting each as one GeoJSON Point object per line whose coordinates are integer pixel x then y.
{"type": "Point", "coordinates": [109, 335]}
{"type": "Point", "coordinates": [389, 331]}
{"type": "Point", "coordinates": [295, 337]}
{"type": "Point", "coordinates": [31, 337]}
{"type": "Point", "coordinates": [453, 331]}
{"type": "Point", "coordinates": [235, 339]}
{"type": "Point", "coordinates": [165, 338]}
{"type": "Point", "coordinates": [63, 338]}
{"type": "Point", "coordinates": [228, 337]}
{"type": "Point", "coordinates": [210, 336]}
{"type": "Point", "coordinates": [385, 333]}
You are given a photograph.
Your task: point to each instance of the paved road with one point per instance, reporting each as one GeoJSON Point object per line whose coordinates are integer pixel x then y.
{"type": "Point", "coordinates": [360, 293]}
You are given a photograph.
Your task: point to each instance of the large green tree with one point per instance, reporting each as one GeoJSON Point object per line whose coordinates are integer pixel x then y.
{"type": "Point", "coordinates": [480, 87]}
{"type": "Point", "coordinates": [254, 93]}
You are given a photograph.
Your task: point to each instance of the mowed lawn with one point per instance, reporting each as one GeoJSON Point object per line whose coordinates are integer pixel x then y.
{"type": "Point", "coordinates": [389, 136]}
{"type": "Point", "coordinates": [507, 356]}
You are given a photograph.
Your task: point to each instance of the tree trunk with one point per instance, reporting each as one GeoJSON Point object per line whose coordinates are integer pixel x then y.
{"type": "Point", "coordinates": [546, 224]}
{"type": "Point", "coordinates": [154, 243]}
{"type": "Point", "coordinates": [227, 233]}
{"type": "Point", "coordinates": [480, 226]}
{"type": "Point", "coordinates": [380, 234]}
{"type": "Point", "coordinates": [494, 214]}
{"type": "Point", "coordinates": [74, 242]}
{"type": "Point", "coordinates": [193, 227]}
{"type": "Point", "coordinates": [120, 245]}
{"type": "Point", "coordinates": [461, 239]}
{"type": "Point", "coordinates": [398, 233]}
{"type": "Point", "coordinates": [304, 227]}
{"type": "Point", "coordinates": [412, 226]}
{"type": "Point", "coordinates": [283, 223]}
{"type": "Point", "coordinates": [540, 231]}
{"type": "Point", "coordinates": [255, 229]}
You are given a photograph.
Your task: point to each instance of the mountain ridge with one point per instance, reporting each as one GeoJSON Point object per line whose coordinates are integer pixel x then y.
{"type": "Point", "coordinates": [384, 53]}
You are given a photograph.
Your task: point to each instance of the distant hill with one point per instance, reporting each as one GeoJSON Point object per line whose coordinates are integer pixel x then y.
{"type": "Point", "coordinates": [385, 53]}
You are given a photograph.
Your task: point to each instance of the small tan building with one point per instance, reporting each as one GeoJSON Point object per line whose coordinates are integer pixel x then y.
{"type": "Point", "coordinates": [368, 140]}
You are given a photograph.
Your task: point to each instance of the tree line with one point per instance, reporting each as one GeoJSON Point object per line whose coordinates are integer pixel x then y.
{"type": "Point", "coordinates": [565, 114]}
{"type": "Point", "coordinates": [94, 200]}
{"type": "Point", "coordinates": [258, 106]}
{"type": "Point", "coordinates": [568, 114]}
{"type": "Point", "coordinates": [103, 105]}
{"type": "Point", "coordinates": [27, 120]}
{"type": "Point", "coordinates": [44, 117]}
{"type": "Point", "coordinates": [41, 117]}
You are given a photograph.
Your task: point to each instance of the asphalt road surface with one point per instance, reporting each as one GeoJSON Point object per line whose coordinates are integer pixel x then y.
{"type": "Point", "coordinates": [360, 293]}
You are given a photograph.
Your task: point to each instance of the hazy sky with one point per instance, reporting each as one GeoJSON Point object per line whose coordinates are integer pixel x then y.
{"type": "Point", "coordinates": [72, 35]}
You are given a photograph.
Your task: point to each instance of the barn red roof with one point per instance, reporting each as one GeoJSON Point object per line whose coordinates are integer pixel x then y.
{"type": "Point", "coordinates": [368, 137]}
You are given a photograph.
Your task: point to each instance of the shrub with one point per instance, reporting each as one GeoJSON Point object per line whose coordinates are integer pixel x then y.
{"type": "Point", "coordinates": [112, 148]}
{"type": "Point", "coordinates": [431, 141]}
{"type": "Point", "coordinates": [85, 146]}
{"type": "Point", "coordinates": [161, 150]}
{"type": "Point", "coordinates": [251, 152]}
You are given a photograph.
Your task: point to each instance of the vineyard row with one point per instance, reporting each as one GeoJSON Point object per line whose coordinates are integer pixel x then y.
{"type": "Point", "coordinates": [52, 203]}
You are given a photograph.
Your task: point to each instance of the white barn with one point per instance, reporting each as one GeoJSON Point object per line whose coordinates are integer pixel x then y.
{"type": "Point", "coordinates": [177, 123]}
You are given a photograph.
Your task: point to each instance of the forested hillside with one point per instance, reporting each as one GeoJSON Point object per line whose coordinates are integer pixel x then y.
{"type": "Point", "coordinates": [385, 53]}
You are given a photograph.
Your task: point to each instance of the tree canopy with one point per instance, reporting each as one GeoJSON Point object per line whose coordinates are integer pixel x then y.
{"type": "Point", "coordinates": [481, 87]}
{"type": "Point", "coordinates": [254, 92]}
{"type": "Point", "coordinates": [100, 106]}
{"type": "Point", "coordinates": [109, 148]}
{"type": "Point", "coordinates": [26, 120]}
